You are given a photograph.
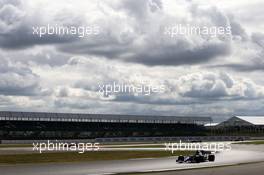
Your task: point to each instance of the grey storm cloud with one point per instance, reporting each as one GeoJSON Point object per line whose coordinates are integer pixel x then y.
{"type": "Point", "coordinates": [171, 56]}
{"type": "Point", "coordinates": [218, 86]}
{"type": "Point", "coordinates": [43, 57]}
{"type": "Point", "coordinates": [22, 38]}
{"type": "Point", "coordinates": [134, 8]}
{"type": "Point", "coordinates": [147, 43]}
{"type": "Point", "coordinates": [18, 81]}
{"type": "Point", "coordinates": [17, 25]}
{"type": "Point", "coordinates": [243, 67]}
{"type": "Point", "coordinates": [254, 63]}
{"type": "Point", "coordinates": [258, 38]}
{"type": "Point", "coordinates": [251, 63]}
{"type": "Point", "coordinates": [193, 88]}
{"type": "Point", "coordinates": [58, 72]}
{"type": "Point", "coordinates": [237, 29]}
{"type": "Point", "coordinates": [139, 41]}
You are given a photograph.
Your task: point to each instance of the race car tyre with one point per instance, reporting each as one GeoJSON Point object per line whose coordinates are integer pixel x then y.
{"type": "Point", "coordinates": [211, 158]}
{"type": "Point", "coordinates": [180, 158]}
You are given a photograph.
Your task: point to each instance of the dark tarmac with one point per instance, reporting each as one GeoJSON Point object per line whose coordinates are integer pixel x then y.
{"type": "Point", "coordinates": [243, 169]}
{"type": "Point", "coordinates": [238, 155]}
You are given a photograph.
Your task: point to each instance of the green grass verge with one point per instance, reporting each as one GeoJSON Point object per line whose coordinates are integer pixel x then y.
{"type": "Point", "coordinates": [87, 156]}
{"type": "Point", "coordinates": [15, 145]}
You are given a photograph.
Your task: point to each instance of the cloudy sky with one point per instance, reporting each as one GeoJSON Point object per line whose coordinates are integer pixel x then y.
{"type": "Point", "coordinates": [203, 76]}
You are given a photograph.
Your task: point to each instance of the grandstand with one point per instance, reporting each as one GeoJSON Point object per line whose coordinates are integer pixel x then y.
{"type": "Point", "coordinates": [39, 125]}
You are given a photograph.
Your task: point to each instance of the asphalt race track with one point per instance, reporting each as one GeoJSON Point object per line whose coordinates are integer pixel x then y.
{"type": "Point", "coordinates": [243, 169]}
{"type": "Point", "coordinates": [239, 154]}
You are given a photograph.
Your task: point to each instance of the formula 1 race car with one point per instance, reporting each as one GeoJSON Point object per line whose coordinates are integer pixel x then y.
{"type": "Point", "coordinates": [198, 157]}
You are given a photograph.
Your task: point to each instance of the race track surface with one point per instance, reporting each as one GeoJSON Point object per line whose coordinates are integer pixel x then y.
{"type": "Point", "coordinates": [239, 154]}
{"type": "Point", "coordinates": [243, 169]}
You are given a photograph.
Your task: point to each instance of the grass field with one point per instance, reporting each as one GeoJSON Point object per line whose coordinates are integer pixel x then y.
{"type": "Point", "coordinates": [87, 156]}
{"type": "Point", "coordinates": [15, 145]}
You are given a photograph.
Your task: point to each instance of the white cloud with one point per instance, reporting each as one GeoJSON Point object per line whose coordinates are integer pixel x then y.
{"type": "Point", "coordinates": [202, 75]}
